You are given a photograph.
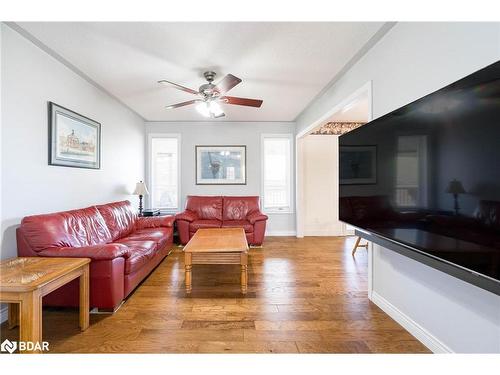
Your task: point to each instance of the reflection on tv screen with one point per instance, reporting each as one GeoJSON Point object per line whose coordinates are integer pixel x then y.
{"type": "Point", "coordinates": [428, 174]}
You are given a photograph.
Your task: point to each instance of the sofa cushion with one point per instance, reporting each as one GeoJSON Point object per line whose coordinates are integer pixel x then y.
{"type": "Point", "coordinates": [145, 222]}
{"type": "Point", "coordinates": [198, 224]}
{"type": "Point", "coordinates": [120, 218]}
{"type": "Point", "coordinates": [237, 208]}
{"type": "Point", "coordinates": [245, 224]}
{"type": "Point", "coordinates": [159, 235]}
{"type": "Point", "coordinates": [141, 252]}
{"type": "Point", "coordinates": [76, 228]}
{"type": "Point", "coordinates": [207, 208]}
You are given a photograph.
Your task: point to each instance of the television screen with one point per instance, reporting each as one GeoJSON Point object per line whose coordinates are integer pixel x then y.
{"type": "Point", "coordinates": [428, 174]}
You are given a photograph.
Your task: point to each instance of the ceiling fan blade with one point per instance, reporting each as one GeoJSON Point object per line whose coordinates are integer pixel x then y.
{"type": "Point", "coordinates": [189, 102]}
{"type": "Point", "coordinates": [227, 83]}
{"type": "Point", "coordinates": [179, 87]}
{"type": "Point", "coordinates": [242, 101]}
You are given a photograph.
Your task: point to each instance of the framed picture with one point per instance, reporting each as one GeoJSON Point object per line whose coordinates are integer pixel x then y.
{"type": "Point", "coordinates": [74, 140]}
{"type": "Point", "coordinates": [358, 165]}
{"type": "Point", "coordinates": [221, 165]}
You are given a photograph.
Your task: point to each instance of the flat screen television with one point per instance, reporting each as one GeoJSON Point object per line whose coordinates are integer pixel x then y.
{"type": "Point", "coordinates": [427, 176]}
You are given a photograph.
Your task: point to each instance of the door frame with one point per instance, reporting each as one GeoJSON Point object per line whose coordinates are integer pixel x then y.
{"type": "Point", "coordinates": [365, 89]}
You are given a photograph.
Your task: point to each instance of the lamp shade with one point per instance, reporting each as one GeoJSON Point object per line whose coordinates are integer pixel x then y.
{"type": "Point", "coordinates": [141, 189]}
{"type": "Point", "coordinates": [455, 187]}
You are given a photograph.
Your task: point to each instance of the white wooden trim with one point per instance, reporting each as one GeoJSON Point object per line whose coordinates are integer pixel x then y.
{"type": "Point", "coordinates": [299, 178]}
{"type": "Point", "coordinates": [419, 332]}
{"type": "Point", "coordinates": [366, 88]}
{"type": "Point", "coordinates": [149, 166]}
{"type": "Point", "coordinates": [370, 270]}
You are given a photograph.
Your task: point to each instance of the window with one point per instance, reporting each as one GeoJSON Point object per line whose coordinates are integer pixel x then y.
{"type": "Point", "coordinates": [411, 171]}
{"type": "Point", "coordinates": [164, 167]}
{"type": "Point", "coordinates": [277, 173]}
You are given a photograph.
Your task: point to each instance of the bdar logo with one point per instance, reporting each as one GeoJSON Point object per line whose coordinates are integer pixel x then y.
{"type": "Point", "coordinates": [8, 346]}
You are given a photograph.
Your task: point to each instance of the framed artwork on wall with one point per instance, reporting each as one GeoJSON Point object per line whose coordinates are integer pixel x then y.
{"type": "Point", "coordinates": [74, 140]}
{"type": "Point", "coordinates": [358, 165]}
{"type": "Point", "coordinates": [221, 165]}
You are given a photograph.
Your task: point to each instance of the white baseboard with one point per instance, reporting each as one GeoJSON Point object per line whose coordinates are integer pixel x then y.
{"type": "Point", "coordinates": [419, 332]}
{"type": "Point", "coordinates": [4, 314]}
{"type": "Point", "coordinates": [281, 233]}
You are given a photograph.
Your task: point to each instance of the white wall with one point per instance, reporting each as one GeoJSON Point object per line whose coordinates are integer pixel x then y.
{"type": "Point", "coordinates": [320, 186]}
{"type": "Point", "coordinates": [227, 133]}
{"type": "Point", "coordinates": [31, 78]}
{"type": "Point", "coordinates": [412, 60]}
{"type": "Point", "coordinates": [448, 314]}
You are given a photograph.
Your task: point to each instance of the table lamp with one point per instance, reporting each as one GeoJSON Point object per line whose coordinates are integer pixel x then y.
{"type": "Point", "coordinates": [140, 190]}
{"type": "Point", "coordinates": [455, 187]}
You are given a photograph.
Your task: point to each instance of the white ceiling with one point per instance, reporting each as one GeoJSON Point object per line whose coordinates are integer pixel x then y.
{"type": "Point", "coordinates": [284, 64]}
{"type": "Point", "coordinates": [355, 111]}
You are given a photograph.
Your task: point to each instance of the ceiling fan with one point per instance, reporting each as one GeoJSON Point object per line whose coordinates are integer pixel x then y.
{"type": "Point", "coordinates": [210, 95]}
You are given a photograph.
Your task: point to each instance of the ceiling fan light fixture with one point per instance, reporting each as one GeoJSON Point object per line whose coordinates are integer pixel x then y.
{"type": "Point", "coordinates": [203, 109]}
{"type": "Point", "coordinates": [210, 95]}
{"type": "Point", "coordinates": [215, 109]}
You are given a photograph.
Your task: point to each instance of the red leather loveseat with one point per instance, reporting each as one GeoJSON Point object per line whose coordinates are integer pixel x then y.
{"type": "Point", "coordinates": [482, 228]}
{"type": "Point", "coordinates": [376, 211]}
{"type": "Point", "coordinates": [123, 248]}
{"type": "Point", "coordinates": [222, 212]}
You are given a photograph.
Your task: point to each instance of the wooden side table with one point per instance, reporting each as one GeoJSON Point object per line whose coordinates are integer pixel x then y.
{"type": "Point", "coordinates": [24, 281]}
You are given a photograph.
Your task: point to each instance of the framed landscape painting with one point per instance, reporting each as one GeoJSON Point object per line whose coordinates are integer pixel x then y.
{"type": "Point", "coordinates": [358, 165]}
{"type": "Point", "coordinates": [221, 165]}
{"type": "Point", "coordinates": [74, 140]}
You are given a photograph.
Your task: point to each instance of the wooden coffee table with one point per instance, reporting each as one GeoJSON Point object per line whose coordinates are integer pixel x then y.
{"type": "Point", "coordinates": [24, 281]}
{"type": "Point", "coordinates": [217, 246]}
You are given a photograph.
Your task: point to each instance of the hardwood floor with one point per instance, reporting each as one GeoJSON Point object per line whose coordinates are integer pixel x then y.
{"type": "Point", "coordinates": [304, 296]}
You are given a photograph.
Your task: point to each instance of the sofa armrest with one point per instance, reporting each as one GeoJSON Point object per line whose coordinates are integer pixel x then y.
{"type": "Point", "coordinates": [256, 216]}
{"type": "Point", "coordinates": [96, 252]}
{"type": "Point", "coordinates": [155, 222]}
{"type": "Point", "coordinates": [187, 215]}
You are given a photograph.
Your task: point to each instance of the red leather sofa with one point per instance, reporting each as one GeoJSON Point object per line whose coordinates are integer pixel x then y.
{"type": "Point", "coordinates": [222, 212]}
{"type": "Point", "coordinates": [376, 211]}
{"type": "Point", "coordinates": [123, 248]}
{"type": "Point", "coordinates": [482, 228]}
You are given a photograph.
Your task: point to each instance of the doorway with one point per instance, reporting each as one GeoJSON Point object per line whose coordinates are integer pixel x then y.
{"type": "Point", "coordinates": [318, 165]}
